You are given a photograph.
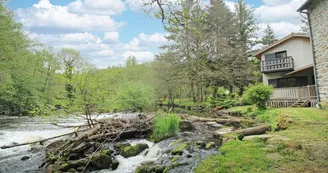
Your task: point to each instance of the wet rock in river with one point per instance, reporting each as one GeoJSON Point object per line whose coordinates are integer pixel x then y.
{"type": "Point", "coordinates": [25, 158]}
{"type": "Point", "coordinates": [179, 150]}
{"type": "Point", "coordinates": [133, 150]}
{"type": "Point", "coordinates": [121, 145]}
{"type": "Point", "coordinates": [101, 161]}
{"type": "Point", "coordinates": [114, 164]}
{"type": "Point", "coordinates": [210, 145]}
{"type": "Point", "coordinates": [186, 126]}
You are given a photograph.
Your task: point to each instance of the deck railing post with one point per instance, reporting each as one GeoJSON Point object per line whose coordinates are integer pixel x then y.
{"type": "Point", "coordinates": [309, 92]}
{"type": "Point", "coordinates": [299, 93]}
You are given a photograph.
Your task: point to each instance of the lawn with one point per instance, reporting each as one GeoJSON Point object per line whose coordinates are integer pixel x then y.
{"type": "Point", "coordinates": [306, 149]}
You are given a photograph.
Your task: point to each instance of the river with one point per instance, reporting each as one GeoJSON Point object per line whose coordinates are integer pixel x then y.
{"type": "Point", "coordinates": [27, 129]}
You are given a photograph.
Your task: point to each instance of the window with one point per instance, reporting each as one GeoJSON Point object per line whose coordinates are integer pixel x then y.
{"type": "Point", "coordinates": [281, 54]}
{"type": "Point", "coordinates": [289, 82]}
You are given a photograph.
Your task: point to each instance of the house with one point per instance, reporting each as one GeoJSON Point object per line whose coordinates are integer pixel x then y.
{"type": "Point", "coordinates": [317, 11]}
{"type": "Point", "coordinates": [287, 64]}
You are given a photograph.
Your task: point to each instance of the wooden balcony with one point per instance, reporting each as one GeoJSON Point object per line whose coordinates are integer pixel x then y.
{"type": "Point", "coordinates": [285, 97]}
{"type": "Point", "coordinates": [277, 65]}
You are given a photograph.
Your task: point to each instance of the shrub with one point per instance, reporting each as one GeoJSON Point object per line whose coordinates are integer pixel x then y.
{"type": "Point", "coordinates": [258, 95]}
{"type": "Point", "coordinates": [165, 126]}
{"type": "Point", "coordinates": [223, 99]}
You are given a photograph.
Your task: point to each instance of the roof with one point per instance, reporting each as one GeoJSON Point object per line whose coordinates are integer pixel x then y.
{"type": "Point", "coordinates": [292, 35]}
{"type": "Point", "coordinates": [305, 5]}
{"type": "Point", "coordinates": [307, 67]}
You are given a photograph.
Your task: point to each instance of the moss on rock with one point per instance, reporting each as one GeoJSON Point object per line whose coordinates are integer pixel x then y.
{"type": "Point", "coordinates": [210, 145]}
{"type": "Point", "coordinates": [121, 145]}
{"type": "Point", "coordinates": [179, 150]}
{"type": "Point", "coordinates": [101, 161]}
{"type": "Point", "coordinates": [133, 150]}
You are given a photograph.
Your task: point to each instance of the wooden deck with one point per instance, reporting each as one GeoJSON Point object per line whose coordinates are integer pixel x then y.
{"type": "Point", "coordinates": [287, 97]}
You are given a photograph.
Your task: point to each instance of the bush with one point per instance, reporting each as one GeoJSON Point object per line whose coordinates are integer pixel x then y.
{"type": "Point", "coordinates": [223, 99]}
{"type": "Point", "coordinates": [165, 126]}
{"type": "Point", "coordinates": [258, 95]}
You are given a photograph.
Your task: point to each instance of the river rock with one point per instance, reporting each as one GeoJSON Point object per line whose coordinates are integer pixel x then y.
{"type": "Point", "coordinates": [52, 168]}
{"type": "Point", "coordinates": [180, 149]}
{"type": "Point", "coordinates": [114, 164]}
{"type": "Point", "coordinates": [121, 145]}
{"type": "Point", "coordinates": [210, 145]}
{"type": "Point", "coordinates": [201, 143]}
{"type": "Point", "coordinates": [54, 146]}
{"type": "Point", "coordinates": [223, 131]}
{"type": "Point", "coordinates": [186, 126]}
{"type": "Point", "coordinates": [214, 124]}
{"type": "Point", "coordinates": [101, 161]}
{"type": "Point", "coordinates": [25, 158]}
{"type": "Point", "coordinates": [150, 168]}
{"type": "Point", "coordinates": [133, 150]}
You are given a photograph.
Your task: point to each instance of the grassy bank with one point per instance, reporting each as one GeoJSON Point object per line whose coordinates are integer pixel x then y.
{"type": "Point", "coordinates": [302, 147]}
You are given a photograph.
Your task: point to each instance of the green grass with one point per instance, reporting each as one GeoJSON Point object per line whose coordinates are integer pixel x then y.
{"type": "Point", "coordinates": [237, 156]}
{"type": "Point", "coordinates": [309, 129]}
{"type": "Point", "coordinates": [165, 126]}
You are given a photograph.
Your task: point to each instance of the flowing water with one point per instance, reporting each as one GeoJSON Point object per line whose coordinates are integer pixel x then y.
{"type": "Point", "coordinates": [27, 129]}
{"type": "Point", "coordinates": [16, 130]}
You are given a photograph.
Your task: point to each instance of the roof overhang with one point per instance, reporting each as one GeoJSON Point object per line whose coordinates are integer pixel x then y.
{"type": "Point", "coordinates": [292, 35]}
{"type": "Point", "coordinates": [304, 6]}
{"type": "Point", "coordinates": [299, 70]}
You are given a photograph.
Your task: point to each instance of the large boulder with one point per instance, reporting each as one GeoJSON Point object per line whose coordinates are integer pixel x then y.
{"type": "Point", "coordinates": [101, 161]}
{"type": "Point", "coordinates": [133, 150]}
{"type": "Point", "coordinates": [186, 126]}
{"type": "Point", "coordinates": [121, 145]}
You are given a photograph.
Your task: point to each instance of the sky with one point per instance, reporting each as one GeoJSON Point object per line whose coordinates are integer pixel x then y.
{"type": "Point", "coordinates": [109, 31]}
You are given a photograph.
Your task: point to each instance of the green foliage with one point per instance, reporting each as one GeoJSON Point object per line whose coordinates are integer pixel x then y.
{"type": "Point", "coordinates": [237, 156]}
{"type": "Point", "coordinates": [223, 99]}
{"type": "Point", "coordinates": [258, 94]}
{"type": "Point", "coordinates": [135, 95]}
{"type": "Point", "coordinates": [165, 125]}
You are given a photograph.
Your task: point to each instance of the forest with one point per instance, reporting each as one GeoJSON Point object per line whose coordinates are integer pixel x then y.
{"type": "Point", "coordinates": [209, 54]}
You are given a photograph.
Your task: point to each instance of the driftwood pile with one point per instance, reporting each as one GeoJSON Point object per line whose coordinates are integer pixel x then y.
{"type": "Point", "coordinates": [79, 151]}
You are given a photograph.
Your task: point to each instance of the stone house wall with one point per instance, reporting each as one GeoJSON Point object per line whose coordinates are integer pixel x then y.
{"type": "Point", "coordinates": [318, 13]}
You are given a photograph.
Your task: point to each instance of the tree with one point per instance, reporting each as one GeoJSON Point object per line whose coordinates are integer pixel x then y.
{"type": "Point", "coordinates": [134, 95]}
{"type": "Point", "coordinates": [70, 60]}
{"type": "Point", "coordinates": [269, 36]}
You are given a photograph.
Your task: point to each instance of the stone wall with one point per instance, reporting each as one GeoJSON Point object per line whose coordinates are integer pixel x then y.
{"type": "Point", "coordinates": [319, 24]}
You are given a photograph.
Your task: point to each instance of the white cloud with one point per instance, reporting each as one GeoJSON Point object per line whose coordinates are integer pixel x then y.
{"type": "Point", "coordinates": [65, 38]}
{"type": "Point", "coordinates": [281, 29]}
{"type": "Point", "coordinates": [275, 2]}
{"type": "Point", "coordinates": [108, 52]}
{"type": "Point", "coordinates": [144, 41]}
{"type": "Point", "coordinates": [103, 7]}
{"type": "Point", "coordinates": [45, 17]}
{"type": "Point", "coordinates": [154, 38]}
{"type": "Point", "coordinates": [230, 5]}
{"type": "Point", "coordinates": [141, 56]}
{"type": "Point", "coordinates": [277, 12]}
{"type": "Point", "coordinates": [111, 37]}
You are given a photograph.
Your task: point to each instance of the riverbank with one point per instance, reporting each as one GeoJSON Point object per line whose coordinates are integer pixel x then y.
{"type": "Point", "coordinates": [300, 145]}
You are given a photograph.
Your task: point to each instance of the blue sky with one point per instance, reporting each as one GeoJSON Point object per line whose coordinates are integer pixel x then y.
{"type": "Point", "coordinates": [108, 31]}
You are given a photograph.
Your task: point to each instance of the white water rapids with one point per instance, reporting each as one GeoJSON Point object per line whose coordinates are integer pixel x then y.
{"type": "Point", "coordinates": [28, 129]}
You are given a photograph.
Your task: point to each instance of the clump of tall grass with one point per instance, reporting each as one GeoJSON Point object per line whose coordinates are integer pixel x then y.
{"type": "Point", "coordinates": [165, 125]}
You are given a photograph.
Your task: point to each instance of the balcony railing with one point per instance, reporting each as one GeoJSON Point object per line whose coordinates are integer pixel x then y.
{"type": "Point", "coordinates": [278, 64]}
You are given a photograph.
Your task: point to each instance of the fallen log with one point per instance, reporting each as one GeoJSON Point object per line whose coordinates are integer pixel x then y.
{"type": "Point", "coordinates": [124, 134]}
{"type": "Point", "coordinates": [240, 134]}
{"type": "Point", "coordinates": [39, 141]}
{"type": "Point", "coordinates": [224, 121]}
